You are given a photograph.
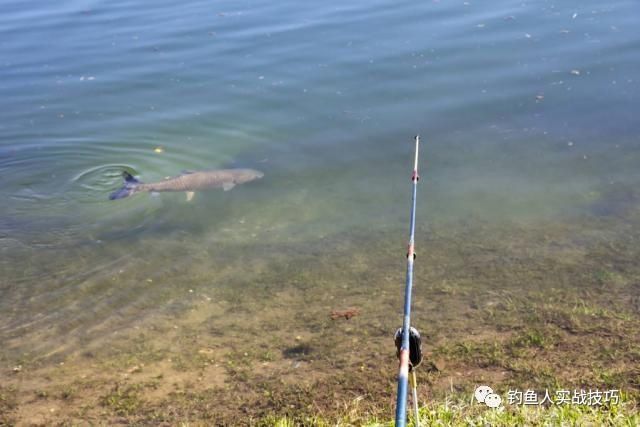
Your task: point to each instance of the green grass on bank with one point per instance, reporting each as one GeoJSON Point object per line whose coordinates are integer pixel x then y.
{"type": "Point", "coordinates": [460, 413]}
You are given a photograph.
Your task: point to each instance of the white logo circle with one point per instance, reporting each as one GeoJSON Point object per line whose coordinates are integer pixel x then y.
{"type": "Point", "coordinates": [482, 392]}
{"type": "Point", "coordinates": [492, 400]}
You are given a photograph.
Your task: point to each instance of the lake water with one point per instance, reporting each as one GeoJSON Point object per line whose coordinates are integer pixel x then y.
{"type": "Point", "coordinates": [527, 110]}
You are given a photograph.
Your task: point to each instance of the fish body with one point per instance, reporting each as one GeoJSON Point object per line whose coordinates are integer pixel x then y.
{"type": "Point", "coordinates": [188, 182]}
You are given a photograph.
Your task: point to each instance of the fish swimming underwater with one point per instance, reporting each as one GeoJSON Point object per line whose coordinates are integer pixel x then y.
{"type": "Point", "coordinates": [188, 182]}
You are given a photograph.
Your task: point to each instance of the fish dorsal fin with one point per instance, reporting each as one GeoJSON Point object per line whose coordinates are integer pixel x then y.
{"type": "Point", "coordinates": [228, 186]}
{"type": "Point", "coordinates": [128, 178]}
{"type": "Point", "coordinates": [190, 195]}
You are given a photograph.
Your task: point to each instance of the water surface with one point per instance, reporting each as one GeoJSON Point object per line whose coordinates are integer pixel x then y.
{"type": "Point", "coordinates": [527, 111]}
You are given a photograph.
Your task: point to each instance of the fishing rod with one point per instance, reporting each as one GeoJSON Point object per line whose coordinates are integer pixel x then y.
{"type": "Point", "coordinates": [407, 338]}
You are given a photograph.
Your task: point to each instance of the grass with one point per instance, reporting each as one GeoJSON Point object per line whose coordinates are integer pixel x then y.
{"type": "Point", "coordinates": [458, 412]}
{"type": "Point", "coordinates": [123, 400]}
{"type": "Point", "coordinates": [8, 403]}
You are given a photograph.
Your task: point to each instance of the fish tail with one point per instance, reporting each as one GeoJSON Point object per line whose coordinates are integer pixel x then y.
{"type": "Point", "coordinates": [129, 187]}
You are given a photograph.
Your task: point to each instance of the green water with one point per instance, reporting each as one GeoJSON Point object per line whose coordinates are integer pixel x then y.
{"type": "Point", "coordinates": [527, 111]}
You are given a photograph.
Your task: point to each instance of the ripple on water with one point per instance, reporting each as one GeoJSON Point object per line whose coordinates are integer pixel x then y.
{"type": "Point", "coordinates": [102, 178]}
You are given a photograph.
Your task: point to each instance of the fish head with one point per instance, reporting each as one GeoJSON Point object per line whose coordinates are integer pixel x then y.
{"type": "Point", "coordinates": [245, 175]}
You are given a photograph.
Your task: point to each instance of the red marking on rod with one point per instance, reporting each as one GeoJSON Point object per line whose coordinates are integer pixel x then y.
{"type": "Point", "coordinates": [404, 362]}
{"type": "Point", "coordinates": [410, 251]}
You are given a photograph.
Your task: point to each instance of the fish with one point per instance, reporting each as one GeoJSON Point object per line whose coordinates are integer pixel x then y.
{"type": "Point", "coordinates": [188, 181]}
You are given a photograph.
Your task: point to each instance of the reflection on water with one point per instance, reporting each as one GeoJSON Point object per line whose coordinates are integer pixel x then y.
{"type": "Point", "coordinates": [526, 110]}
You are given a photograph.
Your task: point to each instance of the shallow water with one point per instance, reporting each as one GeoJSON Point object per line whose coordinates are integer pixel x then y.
{"type": "Point", "coordinates": [527, 111]}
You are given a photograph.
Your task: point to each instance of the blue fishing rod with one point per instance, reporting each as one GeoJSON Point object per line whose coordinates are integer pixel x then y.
{"type": "Point", "coordinates": [407, 338]}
